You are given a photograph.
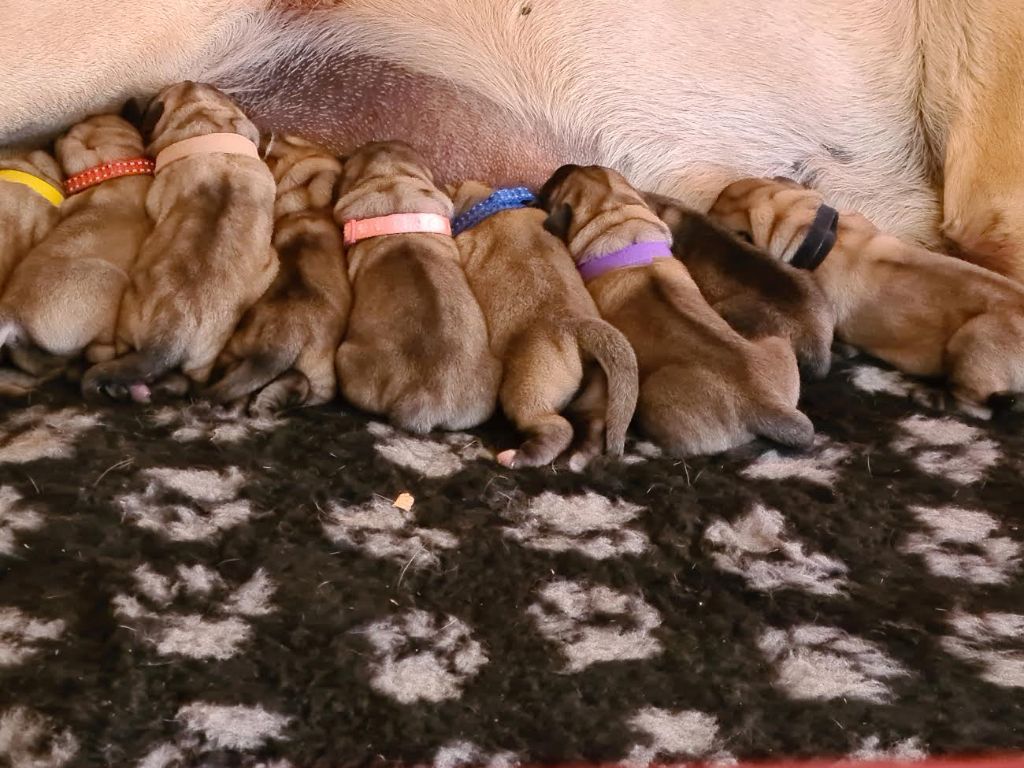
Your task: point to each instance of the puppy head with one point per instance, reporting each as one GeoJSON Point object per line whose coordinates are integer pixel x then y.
{"type": "Point", "coordinates": [98, 139]}
{"type": "Point", "coordinates": [190, 109]}
{"type": "Point", "coordinates": [774, 214]}
{"type": "Point", "coordinates": [595, 211]}
{"type": "Point", "coordinates": [306, 174]}
{"type": "Point", "coordinates": [466, 194]}
{"type": "Point", "coordinates": [385, 177]}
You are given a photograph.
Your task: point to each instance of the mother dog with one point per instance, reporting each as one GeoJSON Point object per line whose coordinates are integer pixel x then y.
{"type": "Point", "coordinates": [911, 111]}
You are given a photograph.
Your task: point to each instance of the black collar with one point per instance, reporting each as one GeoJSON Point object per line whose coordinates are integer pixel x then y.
{"type": "Point", "coordinates": [819, 241]}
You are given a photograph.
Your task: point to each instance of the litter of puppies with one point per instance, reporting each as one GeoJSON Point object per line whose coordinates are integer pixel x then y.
{"type": "Point", "coordinates": [179, 253]}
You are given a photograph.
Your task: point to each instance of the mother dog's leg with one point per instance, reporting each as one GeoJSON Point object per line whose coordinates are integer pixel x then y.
{"type": "Point", "coordinates": [976, 102]}
{"type": "Point", "coordinates": [60, 61]}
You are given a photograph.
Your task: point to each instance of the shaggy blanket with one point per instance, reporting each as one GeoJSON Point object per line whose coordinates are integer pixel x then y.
{"type": "Point", "coordinates": [182, 588]}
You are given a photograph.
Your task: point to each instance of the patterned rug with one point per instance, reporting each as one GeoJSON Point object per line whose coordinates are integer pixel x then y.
{"type": "Point", "coordinates": [178, 588]}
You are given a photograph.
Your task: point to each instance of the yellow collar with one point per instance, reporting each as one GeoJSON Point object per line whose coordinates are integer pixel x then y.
{"type": "Point", "coordinates": [40, 186]}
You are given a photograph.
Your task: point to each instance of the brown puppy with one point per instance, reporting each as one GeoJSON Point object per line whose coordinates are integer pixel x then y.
{"type": "Point", "coordinates": [756, 293]}
{"type": "Point", "coordinates": [63, 297]}
{"type": "Point", "coordinates": [548, 334]}
{"type": "Point", "coordinates": [416, 348]}
{"type": "Point", "coordinates": [209, 257]}
{"type": "Point", "coordinates": [925, 313]}
{"type": "Point", "coordinates": [297, 325]}
{"type": "Point", "coordinates": [703, 387]}
{"type": "Point", "coordinates": [26, 215]}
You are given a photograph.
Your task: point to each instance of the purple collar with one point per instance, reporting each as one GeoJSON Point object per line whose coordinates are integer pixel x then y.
{"type": "Point", "coordinates": [635, 255]}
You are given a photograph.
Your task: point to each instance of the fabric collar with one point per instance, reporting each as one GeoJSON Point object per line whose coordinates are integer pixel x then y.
{"type": "Point", "coordinates": [820, 239]}
{"type": "Point", "coordinates": [227, 143]}
{"type": "Point", "coordinates": [635, 255]}
{"type": "Point", "coordinates": [40, 186]}
{"type": "Point", "coordinates": [90, 177]}
{"type": "Point", "coordinates": [499, 200]}
{"type": "Point", "coordinates": [396, 224]}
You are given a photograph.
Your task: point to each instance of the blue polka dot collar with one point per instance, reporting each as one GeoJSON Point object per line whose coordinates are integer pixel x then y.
{"type": "Point", "coordinates": [499, 200]}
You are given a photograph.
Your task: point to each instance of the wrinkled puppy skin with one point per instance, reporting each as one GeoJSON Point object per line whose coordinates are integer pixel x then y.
{"type": "Point", "coordinates": [416, 349]}
{"type": "Point", "coordinates": [209, 256]}
{"type": "Point", "coordinates": [923, 312]}
{"type": "Point", "coordinates": [757, 294]}
{"type": "Point", "coordinates": [63, 298]}
{"type": "Point", "coordinates": [703, 387]}
{"type": "Point", "coordinates": [556, 351]}
{"type": "Point", "coordinates": [282, 352]}
{"type": "Point", "coordinates": [26, 217]}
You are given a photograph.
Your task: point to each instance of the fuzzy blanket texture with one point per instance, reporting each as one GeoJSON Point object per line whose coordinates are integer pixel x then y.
{"type": "Point", "coordinates": [181, 588]}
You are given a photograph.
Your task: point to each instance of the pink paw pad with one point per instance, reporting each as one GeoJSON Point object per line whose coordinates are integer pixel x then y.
{"type": "Point", "coordinates": [140, 392]}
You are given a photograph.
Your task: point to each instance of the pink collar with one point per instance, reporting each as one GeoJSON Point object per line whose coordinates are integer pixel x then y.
{"type": "Point", "coordinates": [396, 224]}
{"type": "Point", "coordinates": [227, 143]}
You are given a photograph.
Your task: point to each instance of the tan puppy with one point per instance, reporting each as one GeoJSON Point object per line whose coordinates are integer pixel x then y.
{"type": "Point", "coordinates": [548, 334]}
{"type": "Point", "coordinates": [923, 312]}
{"type": "Point", "coordinates": [756, 294]}
{"type": "Point", "coordinates": [63, 298]}
{"type": "Point", "coordinates": [416, 348]}
{"type": "Point", "coordinates": [26, 216]}
{"type": "Point", "coordinates": [297, 325]}
{"type": "Point", "coordinates": [703, 387]}
{"type": "Point", "coordinates": [209, 257]}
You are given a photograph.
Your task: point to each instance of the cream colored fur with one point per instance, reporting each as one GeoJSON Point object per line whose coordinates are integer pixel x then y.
{"type": "Point", "coordinates": [862, 100]}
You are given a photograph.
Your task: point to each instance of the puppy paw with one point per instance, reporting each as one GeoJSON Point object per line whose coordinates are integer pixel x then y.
{"type": "Point", "coordinates": [139, 392]}
{"type": "Point", "coordinates": [507, 458]}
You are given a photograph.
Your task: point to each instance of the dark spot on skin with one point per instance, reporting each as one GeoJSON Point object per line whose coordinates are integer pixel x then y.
{"type": "Point", "coordinates": [803, 173]}
{"type": "Point", "coordinates": [838, 154]}
{"type": "Point", "coordinates": [525, 10]}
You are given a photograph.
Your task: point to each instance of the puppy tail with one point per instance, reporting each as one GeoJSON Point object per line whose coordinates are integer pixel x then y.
{"type": "Point", "coordinates": [122, 374]}
{"type": "Point", "coordinates": [604, 343]}
{"type": "Point", "coordinates": [786, 426]}
{"type": "Point", "coordinates": [251, 374]}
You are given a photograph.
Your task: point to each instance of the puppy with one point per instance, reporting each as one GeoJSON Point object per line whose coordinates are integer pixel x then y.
{"type": "Point", "coordinates": [546, 331]}
{"type": "Point", "coordinates": [63, 297]}
{"type": "Point", "coordinates": [756, 294]}
{"type": "Point", "coordinates": [703, 387]}
{"type": "Point", "coordinates": [416, 348]}
{"type": "Point", "coordinates": [922, 312]}
{"type": "Point", "coordinates": [297, 325]}
{"type": "Point", "coordinates": [30, 196]}
{"type": "Point", "coordinates": [209, 256]}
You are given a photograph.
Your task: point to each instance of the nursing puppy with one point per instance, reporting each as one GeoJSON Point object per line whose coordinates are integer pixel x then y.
{"type": "Point", "coordinates": [286, 343]}
{"type": "Point", "coordinates": [924, 313]}
{"type": "Point", "coordinates": [30, 196]}
{"type": "Point", "coordinates": [416, 348]}
{"type": "Point", "coordinates": [547, 333]}
{"type": "Point", "coordinates": [757, 294]}
{"type": "Point", "coordinates": [63, 297]}
{"type": "Point", "coordinates": [209, 256]}
{"type": "Point", "coordinates": [703, 387]}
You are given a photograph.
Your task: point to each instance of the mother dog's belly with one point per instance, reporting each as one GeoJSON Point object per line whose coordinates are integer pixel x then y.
{"type": "Point", "coordinates": [684, 97]}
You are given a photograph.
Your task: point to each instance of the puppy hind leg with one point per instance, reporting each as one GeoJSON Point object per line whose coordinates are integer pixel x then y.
{"type": "Point", "coordinates": [981, 366]}
{"type": "Point", "coordinates": [543, 371]}
{"type": "Point", "coordinates": [588, 414]}
{"type": "Point", "coordinates": [38, 362]}
{"type": "Point", "coordinates": [251, 374]}
{"type": "Point", "coordinates": [289, 390]}
{"type": "Point", "coordinates": [124, 377]}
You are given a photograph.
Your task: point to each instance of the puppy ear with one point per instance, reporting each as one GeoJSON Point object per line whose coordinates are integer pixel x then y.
{"type": "Point", "coordinates": [559, 221]}
{"type": "Point", "coordinates": [153, 114]}
{"type": "Point", "coordinates": [132, 111]}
